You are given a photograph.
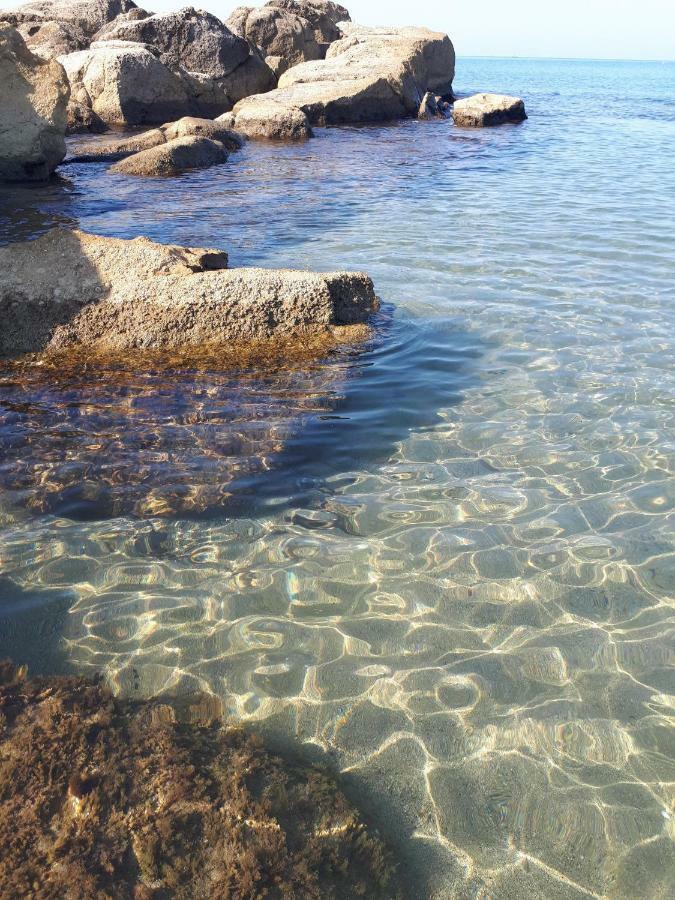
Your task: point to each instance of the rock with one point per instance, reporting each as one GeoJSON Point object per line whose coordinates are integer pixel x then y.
{"type": "Point", "coordinates": [284, 38]}
{"type": "Point", "coordinates": [56, 27]}
{"type": "Point", "coordinates": [188, 126]}
{"type": "Point", "coordinates": [34, 96]}
{"type": "Point", "coordinates": [82, 119]}
{"type": "Point", "coordinates": [125, 84]}
{"type": "Point", "coordinates": [203, 46]}
{"type": "Point", "coordinates": [488, 109]}
{"type": "Point", "coordinates": [433, 107]}
{"type": "Point", "coordinates": [265, 119]}
{"type": "Point", "coordinates": [372, 74]}
{"type": "Point", "coordinates": [173, 157]}
{"type": "Point", "coordinates": [69, 289]}
{"type": "Point", "coordinates": [323, 15]}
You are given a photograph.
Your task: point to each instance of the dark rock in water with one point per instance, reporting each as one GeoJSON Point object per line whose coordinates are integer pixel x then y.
{"type": "Point", "coordinates": [483, 110]}
{"type": "Point", "coordinates": [100, 798]}
{"type": "Point", "coordinates": [433, 107]}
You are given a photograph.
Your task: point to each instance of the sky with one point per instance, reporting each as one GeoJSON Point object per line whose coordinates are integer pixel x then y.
{"type": "Point", "coordinates": [596, 29]}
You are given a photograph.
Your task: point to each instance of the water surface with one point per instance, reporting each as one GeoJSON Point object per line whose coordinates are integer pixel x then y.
{"type": "Point", "coordinates": [443, 561]}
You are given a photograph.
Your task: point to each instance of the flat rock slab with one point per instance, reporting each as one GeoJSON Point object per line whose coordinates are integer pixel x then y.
{"type": "Point", "coordinates": [72, 289]}
{"type": "Point", "coordinates": [483, 110]}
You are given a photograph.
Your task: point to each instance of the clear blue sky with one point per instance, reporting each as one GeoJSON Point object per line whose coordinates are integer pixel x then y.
{"type": "Point", "coordinates": [614, 29]}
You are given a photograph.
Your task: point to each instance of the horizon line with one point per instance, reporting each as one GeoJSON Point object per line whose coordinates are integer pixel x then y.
{"type": "Point", "coordinates": [565, 58]}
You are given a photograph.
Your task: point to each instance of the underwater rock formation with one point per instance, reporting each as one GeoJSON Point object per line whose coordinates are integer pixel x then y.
{"type": "Point", "coordinates": [100, 798]}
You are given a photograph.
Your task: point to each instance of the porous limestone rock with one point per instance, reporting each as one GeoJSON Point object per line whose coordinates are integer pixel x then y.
{"type": "Point", "coordinates": [173, 157]}
{"type": "Point", "coordinates": [70, 289]}
{"type": "Point", "coordinates": [265, 119]}
{"type": "Point", "coordinates": [81, 119]}
{"type": "Point", "coordinates": [482, 110]}
{"type": "Point", "coordinates": [33, 100]}
{"type": "Point", "coordinates": [56, 27]}
{"type": "Point", "coordinates": [125, 84]}
{"type": "Point", "coordinates": [188, 126]}
{"type": "Point", "coordinates": [372, 74]}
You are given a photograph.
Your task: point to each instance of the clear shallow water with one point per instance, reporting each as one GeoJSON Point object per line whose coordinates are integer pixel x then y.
{"type": "Point", "coordinates": [449, 564]}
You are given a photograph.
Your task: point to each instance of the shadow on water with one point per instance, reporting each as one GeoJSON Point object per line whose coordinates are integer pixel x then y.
{"type": "Point", "coordinates": [190, 443]}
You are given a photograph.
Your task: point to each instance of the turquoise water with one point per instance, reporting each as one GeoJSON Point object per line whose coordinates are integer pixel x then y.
{"type": "Point", "coordinates": [443, 562]}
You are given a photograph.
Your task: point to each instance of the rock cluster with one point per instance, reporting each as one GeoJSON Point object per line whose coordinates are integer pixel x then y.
{"type": "Point", "coordinates": [371, 74]}
{"type": "Point", "coordinates": [288, 32]}
{"type": "Point", "coordinates": [174, 157]}
{"type": "Point", "coordinates": [33, 99]}
{"type": "Point", "coordinates": [71, 289]}
{"type": "Point", "coordinates": [482, 110]}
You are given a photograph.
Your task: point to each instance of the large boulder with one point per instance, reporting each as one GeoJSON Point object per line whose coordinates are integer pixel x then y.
{"type": "Point", "coordinates": [372, 74]}
{"type": "Point", "coordinates": [173, 157]}
{"type": "Point", "coordinates": [202, 45]}
{"type": "Point", "coordinates": [70, 289]}
{"type": "Point", "coordinates": [323, 15]}
{"type": "Point", "coordinates": [125, 84]}
{"type": "Point", "coordinates": [482, 110]}
{"type": "Point", "coordinates": [33, 100]}
{"type": "Point", "coordinates": [264, 119]}
{"type": "Point", "coordinates": [56, 27]}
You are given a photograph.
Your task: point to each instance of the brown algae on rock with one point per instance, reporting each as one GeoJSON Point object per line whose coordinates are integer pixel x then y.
{"type": "Point", "coordinates": [103, 798]}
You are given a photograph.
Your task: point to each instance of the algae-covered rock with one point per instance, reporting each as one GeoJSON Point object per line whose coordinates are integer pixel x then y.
{"type": "Point", "coordinates": [100, 798]}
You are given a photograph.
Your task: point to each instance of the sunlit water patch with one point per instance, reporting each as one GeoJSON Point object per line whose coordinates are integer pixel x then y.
{"type": "Point", "coordinates": [449, 568]}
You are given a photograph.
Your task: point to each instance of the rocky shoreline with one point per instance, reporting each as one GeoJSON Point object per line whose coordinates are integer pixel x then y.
{"type": "Point", "coordinates": [271, 73]}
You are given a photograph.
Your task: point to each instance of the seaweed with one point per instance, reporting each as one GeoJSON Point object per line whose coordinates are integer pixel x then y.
{"type": "Point", "coordinates": [103, 798]}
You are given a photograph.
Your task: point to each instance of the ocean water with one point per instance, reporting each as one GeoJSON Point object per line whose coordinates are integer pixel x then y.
{"type": "Point", "coordinates": [441, 562]}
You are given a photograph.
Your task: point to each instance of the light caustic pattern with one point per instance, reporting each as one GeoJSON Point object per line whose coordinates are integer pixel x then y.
{"type": "Point", "coordinates": [459, 585]}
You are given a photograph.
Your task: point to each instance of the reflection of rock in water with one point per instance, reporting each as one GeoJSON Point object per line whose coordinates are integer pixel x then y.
{"type": "Point", "coordinates": [157, 437]}
{"type": "Point", "coordinates": [99, 798]}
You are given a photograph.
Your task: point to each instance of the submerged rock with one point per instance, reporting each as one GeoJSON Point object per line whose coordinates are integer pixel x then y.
{"type": "Point", "coordinates": [188, 126]}
{"type": "Point", "coordinates": [101, 798]}
{"type": "Point", "coordinates": [260, 118]}
{"type": "Point", "coordinates": [483, 110]}
{"type": "Point", "coordinates": [371, 74]}
{"type": "Point", "coordinates": [173, 157]}
{"type": "Point", "coordinates": [33, 99]}
{"type": "Point", "coordinates": [72, 289]}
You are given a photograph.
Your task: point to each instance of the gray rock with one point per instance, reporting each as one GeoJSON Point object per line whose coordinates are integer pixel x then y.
{"type": "Point", "coordinates": [188, 126]}
{"type": "Point", "coordinates": [173, 157]}
{"type": "Point", "coordinates": [283, 37]}
{"type": "Point", "coordinates": [55, 27]}
{"type": "Point", "coordinates": [324, 16]}
{"type": "Point", "coordinates": [34, 96]}
{"type": "Point", "coordinates": [200, 44]}
{"type": "Point", "coordinates": [372, 74]}
{"type": "Point", "coordinates": [483, 110]}
{"type": "Point", "coordinates": [125, 84]}
{"type": "Point", "coordinates": [262, 119]}
{"type": "Point", "coordinates": [70, 289]}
